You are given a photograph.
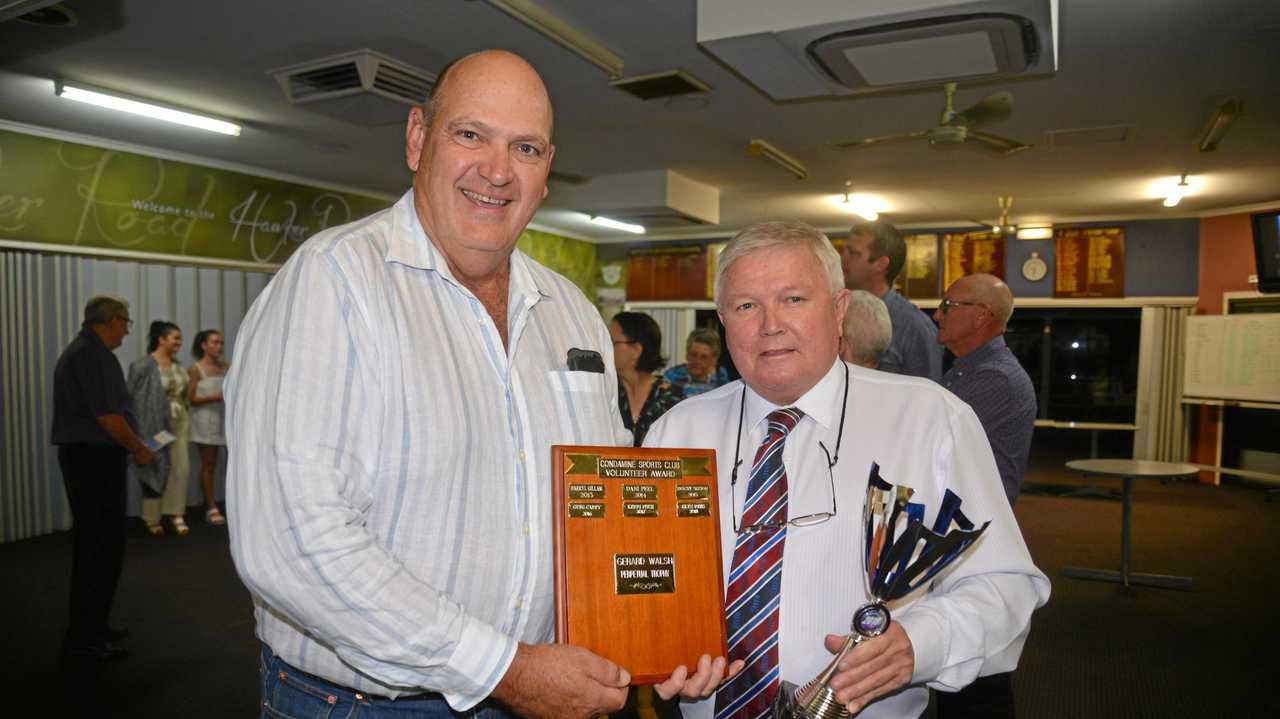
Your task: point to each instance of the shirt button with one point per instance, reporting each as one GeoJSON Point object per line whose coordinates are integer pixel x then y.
{"type": "Point", "coordinates": [525, 528]}
{"type": "Point", "coordinates": [519, 604]}
{"type": "Point", "coordinates": [521, 456]}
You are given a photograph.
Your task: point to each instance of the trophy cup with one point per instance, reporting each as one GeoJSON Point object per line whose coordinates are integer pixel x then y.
{"type": "Point", "coordinates": [900, 555]}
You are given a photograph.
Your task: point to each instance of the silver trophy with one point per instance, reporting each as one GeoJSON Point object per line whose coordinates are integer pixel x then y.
{"type": "Point", "coordinates": [900, 556]}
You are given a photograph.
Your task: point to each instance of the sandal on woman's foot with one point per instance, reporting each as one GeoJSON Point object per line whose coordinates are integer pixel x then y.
{"type": "Point", "coordinates": [179, 526]}
{"type": "Point", "coordinates": [155, 530]}
{"type": "Point", "coordinates": [214, 517]}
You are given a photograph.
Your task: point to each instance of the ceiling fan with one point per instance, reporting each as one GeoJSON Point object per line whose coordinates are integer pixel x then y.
{"type": "Point", "coordinates": [957, 128]}
{"type": "Point", "coordinates": [1002, 227]}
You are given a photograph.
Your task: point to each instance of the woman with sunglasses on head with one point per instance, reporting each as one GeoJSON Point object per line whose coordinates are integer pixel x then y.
{"type": "Point", "coordinates": [205, 395]}
{"type": "Point", "coordinates": [158, 392]}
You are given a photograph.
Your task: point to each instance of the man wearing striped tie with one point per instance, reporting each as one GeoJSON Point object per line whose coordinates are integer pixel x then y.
{"type": "Point", "coordinates": [795, 441]}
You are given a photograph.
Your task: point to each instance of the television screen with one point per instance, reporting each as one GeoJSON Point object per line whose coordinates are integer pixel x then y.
{"type": "Point", "coordinates": [1266, 250]}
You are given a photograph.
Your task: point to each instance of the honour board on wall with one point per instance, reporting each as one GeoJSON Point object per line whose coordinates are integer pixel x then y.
{"type": "Point", "coordinates": [1233, 357]}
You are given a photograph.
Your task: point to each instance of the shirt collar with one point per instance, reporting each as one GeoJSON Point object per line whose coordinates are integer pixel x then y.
{"type": "Point", "coordinates": [88, 332]}
{"type": "Point", "coordinates": [822, 402]}
{"type": "Point", "coordinates": [983, 353]}
{"type": "Point", "coordinates": [409, 245]}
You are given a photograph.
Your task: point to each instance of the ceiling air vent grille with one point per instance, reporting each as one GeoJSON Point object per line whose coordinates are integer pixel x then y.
{"type": "Point", "coordinates": [324, 81]}
{"type": "Point", "coordinates": [661, 84]}
{"type": "Point", "coordinates": [398, 82]}
{"type": "Point", "coordinates": [363, 87]}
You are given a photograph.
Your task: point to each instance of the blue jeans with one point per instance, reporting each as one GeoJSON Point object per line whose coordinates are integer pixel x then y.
{"type": "Point", "coordinates": [290, 693]}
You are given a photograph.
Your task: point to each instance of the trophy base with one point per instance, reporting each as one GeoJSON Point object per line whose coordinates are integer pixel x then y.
{"type": "Point", "coordinates": [821, 704]}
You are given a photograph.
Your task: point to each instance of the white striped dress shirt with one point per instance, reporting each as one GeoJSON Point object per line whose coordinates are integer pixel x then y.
{"type": "Point", "coordinates": [975, 617]}
{"type": "Point", "coordinates": [389, 476]}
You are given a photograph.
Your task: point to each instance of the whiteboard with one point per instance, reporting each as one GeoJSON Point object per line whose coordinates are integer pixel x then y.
{"type": "Point", "coordinates": [1233, 357]}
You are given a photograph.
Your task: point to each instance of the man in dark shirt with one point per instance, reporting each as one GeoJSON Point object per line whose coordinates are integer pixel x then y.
{"type": "Point", "coordinates": [971, 322]}
{"type": "Point", "coordinates": [93, 428]}
{"type": "Point", "coordinates": [872, 256]}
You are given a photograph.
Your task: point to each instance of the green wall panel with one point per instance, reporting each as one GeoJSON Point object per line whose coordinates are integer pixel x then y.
{"type": "Point", "coordinates": [574, 259]}
{"type": "Point", "coordinates": [65, 193]}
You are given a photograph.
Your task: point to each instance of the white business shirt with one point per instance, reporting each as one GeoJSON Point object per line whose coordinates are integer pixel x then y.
{"type": "Point", "coordinates": [975, 617]}
{"type": "Point", "coordinates": [388, 484]}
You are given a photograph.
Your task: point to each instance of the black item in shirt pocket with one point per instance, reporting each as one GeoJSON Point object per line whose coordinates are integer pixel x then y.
{"type": "Point", "coordinates": [585, 361]}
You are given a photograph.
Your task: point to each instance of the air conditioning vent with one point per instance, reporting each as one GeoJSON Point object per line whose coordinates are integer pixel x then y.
{"type": "Point", "coordinates": [662, 84]}
{"type": "Point", "coordinates": [363, 87]}
{"type": "Point", "coordinates": [304, 86]}
{"type": "Point", "coordinates": [833, 48]}
{"type": "Point", "coordinates": [413, 88]}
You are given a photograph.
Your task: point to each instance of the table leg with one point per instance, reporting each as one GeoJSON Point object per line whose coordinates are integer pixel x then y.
{"type": "Point", "coordinates": [1123, 576]}
{"type": "Point", "coordinates": [1126, 507]}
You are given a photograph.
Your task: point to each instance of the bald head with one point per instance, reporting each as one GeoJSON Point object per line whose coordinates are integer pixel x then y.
{"type": "Point", "coordinates": [990, 291]}
{"type": "Point", "coordinates": [976, 310]}
{"type": "Point", "coordinates": [480, 152]}
{"type": "Point", "coordinates": [465, 69]}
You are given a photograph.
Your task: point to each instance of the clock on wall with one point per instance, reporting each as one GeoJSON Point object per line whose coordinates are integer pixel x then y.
{"type": "Point", "coordinates": [1034, 269]}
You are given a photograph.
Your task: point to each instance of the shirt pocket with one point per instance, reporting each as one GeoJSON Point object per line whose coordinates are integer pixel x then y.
{"type": "Point", "coordinates": [587, 411]}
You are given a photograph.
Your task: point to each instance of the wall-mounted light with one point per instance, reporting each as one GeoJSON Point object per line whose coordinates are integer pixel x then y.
{"type": "Point", "coordinates": [146, 109]}
{"type": "Point", "coordinates": [1035, 232]}
{"type": "Point", "coordinates": [616, 225]}
{"type": "Point", "coordinates": [763, 149]}
{"type": "Point", "coordinates": [562, 33]}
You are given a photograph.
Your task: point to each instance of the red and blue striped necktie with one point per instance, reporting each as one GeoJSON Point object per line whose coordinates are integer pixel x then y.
{"type": "Point", "coordinates": [753, 596]}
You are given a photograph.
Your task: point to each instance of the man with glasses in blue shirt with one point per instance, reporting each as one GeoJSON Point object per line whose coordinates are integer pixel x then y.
{"type": "Point", "coordinates": [796, 439]}
{"type": "Point", "coordinates": [971, 322]}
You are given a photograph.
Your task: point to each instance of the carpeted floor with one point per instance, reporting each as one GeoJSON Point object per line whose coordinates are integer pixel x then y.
{"type": "Point", "coordinates": [1095, 650]}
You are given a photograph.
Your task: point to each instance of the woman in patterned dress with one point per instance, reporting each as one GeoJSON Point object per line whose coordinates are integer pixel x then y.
{"type": "Point", "coordinates": [158, 393]}
{"type": "Point", "coordinates": [643, 396]}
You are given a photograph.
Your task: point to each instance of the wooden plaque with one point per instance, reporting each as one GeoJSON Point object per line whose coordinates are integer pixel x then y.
{"type": "Point", "coordinates": [968, 253]}
{"type": "Point", "coordinates": [1089, 262]}
{"type": "Point", "coordinates": [637, 547]}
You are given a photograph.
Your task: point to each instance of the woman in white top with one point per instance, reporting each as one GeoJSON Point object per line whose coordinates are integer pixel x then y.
{"type": "Point", "coordinates": [205, 395]}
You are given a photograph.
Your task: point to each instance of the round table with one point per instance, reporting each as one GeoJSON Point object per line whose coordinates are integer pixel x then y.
{"type": "Point", "coordinates": [1128, 470]}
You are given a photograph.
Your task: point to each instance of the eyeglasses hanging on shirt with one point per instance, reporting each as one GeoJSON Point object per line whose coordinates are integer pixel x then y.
{"type": "Point", "coordinates": [807, 520]}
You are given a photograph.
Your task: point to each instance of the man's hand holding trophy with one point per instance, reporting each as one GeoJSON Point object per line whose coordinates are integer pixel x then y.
{"type": "Point", "coordinates": [900, 556]}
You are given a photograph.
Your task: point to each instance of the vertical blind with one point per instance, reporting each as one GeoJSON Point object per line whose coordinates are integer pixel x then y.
{"type": "Point", "coordinates": [1159, 416]}
{"type": "Point", "coordinates": [42, 300]}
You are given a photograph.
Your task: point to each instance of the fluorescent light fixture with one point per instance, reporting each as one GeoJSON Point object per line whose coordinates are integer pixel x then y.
{"type": "Point", "coordinates": [616, 225]}
{"type": "Point", "coordinates": [146, 109]}
{"type": "Point", "coordinates": [868, 207]}
{"type": "Point", "coordinates": [763, 149]}
{"type": "Point", "coordinates": [1035, 233]}
{"type": "Point", "coordinates": [562, 33]}
{"type": "Point", "coordinates": [1219, 124]}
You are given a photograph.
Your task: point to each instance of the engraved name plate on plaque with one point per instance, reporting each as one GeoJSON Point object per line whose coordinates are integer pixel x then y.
{"type": "Point", "coordinates": [637, 551]}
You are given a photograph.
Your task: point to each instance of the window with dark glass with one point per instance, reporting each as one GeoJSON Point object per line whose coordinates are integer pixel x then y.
{"type": "Point", "coordinates": [1082, 362]}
